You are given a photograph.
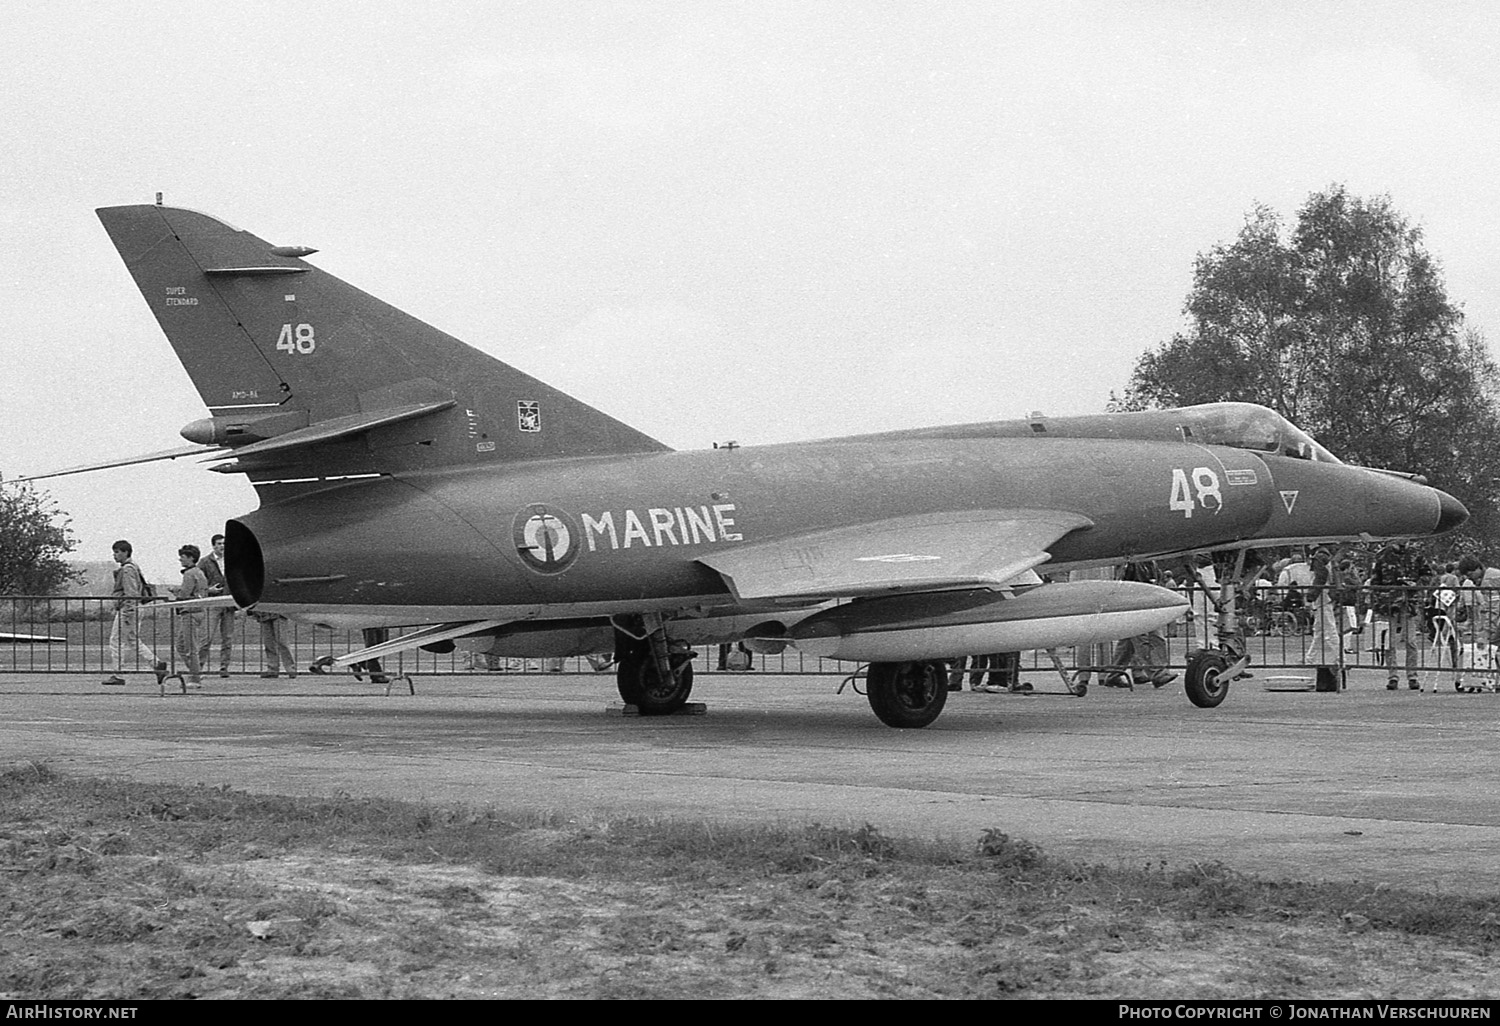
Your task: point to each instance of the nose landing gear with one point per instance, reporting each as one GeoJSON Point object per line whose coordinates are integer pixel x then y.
{"type": "Point", "coordinates": [1210, 670]}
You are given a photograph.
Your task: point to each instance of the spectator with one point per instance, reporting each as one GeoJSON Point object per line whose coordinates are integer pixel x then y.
{"type": "Point", "coordinates": [1399, 573]}
{"type": "Point", "coordinates": [1348, 594]}
{"type": "Point", "coordinates": [735, 657]}
{"type": "Point", "coordinates": [371, 636]}
{"type": "Point", "coordinates": [1005, 673]}
{"type": "Point", "coordinates": [1145, 655]}
{"type": "Point", "coordinates": [130, 591]}
{"type": "Point", "coordinates": [1296, 573]}
{"type": "Point", "coordinates": [1324, 650]}
{"type": "Point", "coordinates": [1480, 602]}
{"type": "Point", "coordinates": [1203, 578]}
{"type": "Point", "coordinates": [1442, 615]}
{"type": "Point", "coordinates": [190, 621]}
{"type": "Point", "coordinates": [277, 655]}
{"type": "Point", "coordinates": [220, 621]}
{"type": "Point", "coordinates": [984, 664]}
{"type": "Point", "coordinates": [956, 673]}
{"type": "Point", "coordinates": [1261, 596]}
{"type": "Point", "coordinates": [1293, 582]}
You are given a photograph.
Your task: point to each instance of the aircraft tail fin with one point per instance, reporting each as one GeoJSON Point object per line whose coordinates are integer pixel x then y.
{"type": "Point", "coordinates": [307, 376]}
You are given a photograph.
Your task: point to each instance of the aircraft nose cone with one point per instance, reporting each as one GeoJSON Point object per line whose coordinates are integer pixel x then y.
{"type": "Point", "coordinates": [1451, 513]}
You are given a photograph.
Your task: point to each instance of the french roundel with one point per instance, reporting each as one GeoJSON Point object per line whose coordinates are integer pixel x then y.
{"type": "Point", "coordinates": [545, 539]}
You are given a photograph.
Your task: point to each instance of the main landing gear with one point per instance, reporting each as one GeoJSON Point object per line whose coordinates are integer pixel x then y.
{"type": "Point", "coordinates": [652, 673]}
{"type": "Point", "coordinates": [907, 694]}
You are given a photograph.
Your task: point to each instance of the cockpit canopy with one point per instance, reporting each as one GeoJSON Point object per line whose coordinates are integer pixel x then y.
{"type": "Point", "coordinates": [1246, 426]}
{"type": "Point", "coordinates": [1238, 425]}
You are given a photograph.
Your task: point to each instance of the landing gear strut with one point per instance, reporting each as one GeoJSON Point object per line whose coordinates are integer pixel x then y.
{"type": "Point", "coordinates": [1210, 670]}
{"type": "Point", "coordinates": [653, 674]}
{"type": "Point", "coordinates": [907, 694]}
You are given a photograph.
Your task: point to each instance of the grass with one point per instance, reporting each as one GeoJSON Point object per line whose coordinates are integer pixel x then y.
{"type": "Point", "coordinates": [112, 889]}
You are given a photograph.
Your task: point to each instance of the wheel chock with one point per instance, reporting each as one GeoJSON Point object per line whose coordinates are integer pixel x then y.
{"type": "Point", "coordinates": [688, 709]}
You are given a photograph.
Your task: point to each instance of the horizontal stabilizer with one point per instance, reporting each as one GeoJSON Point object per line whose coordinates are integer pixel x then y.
{"type": "Point", "coordinates": [341, 427]}
{"type": "Point", "coordinates": [150, 457]}
{"type": "Point", "coordinates": [973, 548]}
{"type": "Point", "coordinates": [416, 639]}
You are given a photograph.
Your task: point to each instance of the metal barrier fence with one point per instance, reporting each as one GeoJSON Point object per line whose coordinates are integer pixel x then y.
{"type": "Point", "coordinates": [45, 634]}
{"type": "Point", "coordinates": [1422, 628]}
{"type": "Point", "coordinates": [42, 634]}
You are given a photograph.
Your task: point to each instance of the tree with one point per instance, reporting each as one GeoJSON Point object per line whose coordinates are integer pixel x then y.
{"type": "Point", "coordinates": [1343, 326]}
{"type": "Point", "coordinates": [32, 542]}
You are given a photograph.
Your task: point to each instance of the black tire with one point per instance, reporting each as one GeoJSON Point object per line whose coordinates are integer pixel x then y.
{"type": "Point", "coordinates": [639, 683]}
{"type": "Point", "coordinates": [1328, 679]}
{"type": "Point", "coordinates": [907, 695]}
{"type": "Point", "coordinates": [627, 675]}
{"type": "Point", "coordinates": [627, 679]}
{"type": "Point", "coordinates": [1206, 686]}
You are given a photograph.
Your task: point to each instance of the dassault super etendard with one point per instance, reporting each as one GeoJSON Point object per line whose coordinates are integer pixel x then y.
{"type": "Point", "coordinates": [409, 480]}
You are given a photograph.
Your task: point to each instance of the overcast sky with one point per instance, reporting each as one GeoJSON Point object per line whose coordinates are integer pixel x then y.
{"type": "Point", "coordinates": [753, 221]}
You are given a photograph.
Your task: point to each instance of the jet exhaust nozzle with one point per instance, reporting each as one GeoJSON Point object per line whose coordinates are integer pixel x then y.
{"type": "Point", "coordinates": [244, 566]}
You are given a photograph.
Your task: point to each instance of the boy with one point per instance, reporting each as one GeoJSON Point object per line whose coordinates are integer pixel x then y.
{"type": "Point", "coordinates": [190, 621]}
{"type": "Point", "coordinates": [129, 592]}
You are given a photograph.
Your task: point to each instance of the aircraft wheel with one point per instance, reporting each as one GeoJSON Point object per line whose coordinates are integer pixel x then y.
{"type": "Point", "coordinates": [1206, 685]}
{"type": "Point", "coordinates": [1328, 679]}
{"type": "Point", "coordinates": [640, 686]}
{"type": "Point", "coordinates": [628, 667]}
{"type": "Point", "coordinates": [907, 694]}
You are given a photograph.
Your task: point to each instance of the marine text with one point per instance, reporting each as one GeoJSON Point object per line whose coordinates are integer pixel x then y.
{"type": "Point", "coordinates": [661, 525]}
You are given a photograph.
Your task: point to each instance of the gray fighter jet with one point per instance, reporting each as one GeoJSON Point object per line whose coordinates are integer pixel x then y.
{"type": "Point", "coordinates": [409, 480]}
